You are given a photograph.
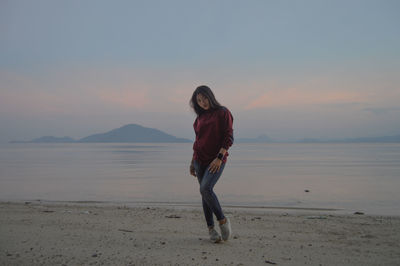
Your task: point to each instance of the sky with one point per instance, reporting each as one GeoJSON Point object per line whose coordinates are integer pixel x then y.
{"type": "Point", "coordinates": [287, 69]}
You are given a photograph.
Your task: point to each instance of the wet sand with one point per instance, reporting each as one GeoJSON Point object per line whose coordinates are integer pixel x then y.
{"type": "Point", "coordinates": [37, 233]}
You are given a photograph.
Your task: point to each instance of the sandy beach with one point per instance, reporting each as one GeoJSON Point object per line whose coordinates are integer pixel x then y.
{"type": "Point", "coordinates": [37, 233]}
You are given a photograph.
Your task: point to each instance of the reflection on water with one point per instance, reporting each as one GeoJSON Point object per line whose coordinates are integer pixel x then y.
{"type": "Point", "coordinates": [346, 176]}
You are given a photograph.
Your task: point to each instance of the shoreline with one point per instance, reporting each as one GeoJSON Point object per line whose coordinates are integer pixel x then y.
{"type": "Point", "coordinates": [38, 233]}
{"type": "Point", "coordinates": [193, 205]}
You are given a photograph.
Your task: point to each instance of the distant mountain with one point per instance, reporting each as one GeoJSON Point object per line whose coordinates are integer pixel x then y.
{"type": "Point", "coordinates": [133, 133]}
{"type": "Point", "coordinates": [265, 139]}
{"type": "Point", "coordinates": [127, 133]}
{"type": "Point", "coordinates": [375, 139]}
{"type": "Point", "coordinates": [48, 139]}
{"type": "Point", "coordinates": [260, 139]}
{"type": "Point", "coordinates": [385, 139]}
{"type": "Point", "coordinates": [137, 133]}
{"type": "Point", "coordinates": [53, 139]}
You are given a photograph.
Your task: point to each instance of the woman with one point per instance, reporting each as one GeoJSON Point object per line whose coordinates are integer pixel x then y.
{"type": "Point", "coordinates": [214, 136]}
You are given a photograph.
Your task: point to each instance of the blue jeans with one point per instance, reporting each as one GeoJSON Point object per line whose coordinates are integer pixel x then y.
{"type": "Point", "coordinates": [210, 201]}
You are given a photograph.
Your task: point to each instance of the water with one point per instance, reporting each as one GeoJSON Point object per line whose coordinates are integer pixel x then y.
{"type": "Point", "coordinates": [350, 177]}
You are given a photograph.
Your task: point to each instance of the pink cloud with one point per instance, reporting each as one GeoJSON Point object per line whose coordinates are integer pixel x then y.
{"type": "Point", "coordinates": [296, 97]}
{"type": "Point", "coordinates": [22, 94]}
{"type": "Point", "coordinates": [126, 98]}
{"type": "Point", "coordinates": [80, 90]}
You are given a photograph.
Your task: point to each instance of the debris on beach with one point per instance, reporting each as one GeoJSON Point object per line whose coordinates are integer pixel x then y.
{"type": "Point", "coordinates": [125, 230]}
{"type": "Point", "coordinates": [316, 217]}
{"type": "Point", "coordinates": [306, 190]}
{"type": "Point", "coordinates": [173, 216]}
{"type": "Point", "coordinates": [270, 262]}
{"type": "Point", "coordinates": [368, 236]}
{"type": "Point", "coordinates": [359, 213]}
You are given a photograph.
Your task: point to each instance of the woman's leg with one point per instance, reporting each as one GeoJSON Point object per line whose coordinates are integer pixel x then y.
{"type": "Point", "coordinates": [207, 184]}
{"type": "Point", "coordinates": [208, 212]}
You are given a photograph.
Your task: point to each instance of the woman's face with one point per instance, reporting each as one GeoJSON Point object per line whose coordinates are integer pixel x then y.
{"type": "Point", "coordinates": [203, 101]}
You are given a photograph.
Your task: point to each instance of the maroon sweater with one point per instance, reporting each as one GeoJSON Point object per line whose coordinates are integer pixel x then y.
{"type": "Point", "coordinates": [214, 131]}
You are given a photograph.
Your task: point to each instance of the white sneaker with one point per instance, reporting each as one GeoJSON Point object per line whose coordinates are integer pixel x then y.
{"type": "Point", "coordinates": [226, 229]}
{"type": "Point", "coordinates": [214, 236]}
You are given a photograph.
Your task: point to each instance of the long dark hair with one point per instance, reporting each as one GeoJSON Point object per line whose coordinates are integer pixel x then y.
{"type": "Point", "coordinates": [206, 92]}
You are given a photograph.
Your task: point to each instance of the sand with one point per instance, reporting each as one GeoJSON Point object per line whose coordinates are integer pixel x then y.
{"type": "Point", "coordinates": [38, 233]}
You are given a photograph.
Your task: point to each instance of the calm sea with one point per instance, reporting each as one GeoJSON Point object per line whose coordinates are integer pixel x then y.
{"type": "Point", "coordinates": [349, 177]}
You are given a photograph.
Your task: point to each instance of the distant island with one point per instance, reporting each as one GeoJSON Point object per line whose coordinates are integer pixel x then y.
{"type": "Point", "coordinates": [140, 134]}
{"type": "Point", "coordinates": [127, 133]}
{"type": "Point", "coordinates": [265, 139]}
{"type": "Point", "coordinates": [384, 139]}
{"type": "Point", "coordinates": [51, 139]}
{"type": "Point", "coordinates": [260, 139]}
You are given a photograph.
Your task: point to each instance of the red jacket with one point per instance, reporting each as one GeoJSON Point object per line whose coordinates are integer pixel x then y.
{"type": "Point", "coordinates": [214, 131]}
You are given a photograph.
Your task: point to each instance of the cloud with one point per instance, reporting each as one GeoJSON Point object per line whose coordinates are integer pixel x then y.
{"type": "Point", "coordinates": [382, 110]}
{"type": "Point", "coordinates": [94, 91]}
{"type": "Point", "coordinates": [23, 94]}
{"type": "Point", "coordinates": [126, 98]}
{"type": "Point", "coordinates": [30, 103]}
{"type": "Point", "coordinates": [301, 97]}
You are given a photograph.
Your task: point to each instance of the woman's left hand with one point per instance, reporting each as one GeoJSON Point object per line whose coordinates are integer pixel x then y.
{"type": "Point", "coordinates": [215, 165]}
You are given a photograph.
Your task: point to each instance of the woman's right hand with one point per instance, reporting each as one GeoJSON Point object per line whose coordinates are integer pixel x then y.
{"type": "Point", "coordinates": [192, 170]}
